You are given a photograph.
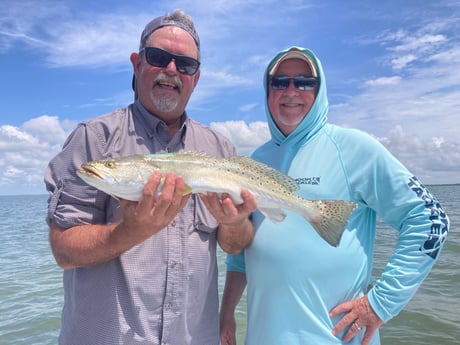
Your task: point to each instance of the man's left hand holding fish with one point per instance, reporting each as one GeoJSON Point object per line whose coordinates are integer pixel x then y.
{"type": "Point", "coordinates": [234, 224]}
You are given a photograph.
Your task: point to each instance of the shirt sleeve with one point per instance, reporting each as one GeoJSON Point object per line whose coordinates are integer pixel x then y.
{"type": "Point", "coordinates": [71, 201]}
{"type": "Point", "coordinates": [383, 184]}
{"type": "Point", "coordinates": [236, 263]}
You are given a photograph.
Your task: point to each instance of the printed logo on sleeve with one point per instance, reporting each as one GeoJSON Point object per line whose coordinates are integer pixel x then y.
{"type": "Point", "coordinates": [438, 218]}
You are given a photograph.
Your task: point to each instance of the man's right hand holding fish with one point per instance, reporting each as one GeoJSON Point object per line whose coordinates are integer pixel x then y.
{"type": "Point", "coordinates": [154, 211]}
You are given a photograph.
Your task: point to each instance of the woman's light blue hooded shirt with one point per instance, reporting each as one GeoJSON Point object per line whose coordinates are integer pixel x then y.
{"type": "Point", "coordinates": [294, 277]}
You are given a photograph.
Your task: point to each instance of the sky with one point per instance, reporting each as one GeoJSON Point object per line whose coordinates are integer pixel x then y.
{"type": "Point", "coordinates": [392, 69]}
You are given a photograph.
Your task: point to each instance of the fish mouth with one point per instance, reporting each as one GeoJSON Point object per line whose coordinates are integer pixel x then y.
{"type": "Point", "coordinates": [90, 172]}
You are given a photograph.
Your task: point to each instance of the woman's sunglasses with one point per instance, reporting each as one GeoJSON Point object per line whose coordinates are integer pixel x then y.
{"type": "Point", "coordinates": [300, 82]}
{"type": "Point", "coordinates": [161, 58]}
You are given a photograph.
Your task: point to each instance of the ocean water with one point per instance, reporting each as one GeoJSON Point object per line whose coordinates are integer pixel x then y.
{"type": "Point", "coordinates": [31, 292]}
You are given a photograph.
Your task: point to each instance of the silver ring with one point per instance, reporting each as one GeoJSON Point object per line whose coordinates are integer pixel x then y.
{"type": "Point", "coordinates": [357, 326]}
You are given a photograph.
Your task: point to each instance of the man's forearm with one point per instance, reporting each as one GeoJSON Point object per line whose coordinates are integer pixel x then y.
{"type": "Point", "coordinates": [235, 283]}
{"type": "Point", "coordinates": [233, 238]}
{"type": "Point", "coordinates": [87, 245]}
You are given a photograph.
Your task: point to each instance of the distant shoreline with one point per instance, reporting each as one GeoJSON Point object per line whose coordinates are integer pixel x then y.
{"type": "Point", "coordinates": [45, 194]}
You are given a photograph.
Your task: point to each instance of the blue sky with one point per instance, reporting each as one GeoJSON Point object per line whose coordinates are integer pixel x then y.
{"type": "Point", "coordinates": [392, 69]}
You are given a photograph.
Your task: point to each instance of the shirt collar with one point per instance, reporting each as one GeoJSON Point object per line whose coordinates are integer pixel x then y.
{"type": "Point", "coordinates": [155, 127]}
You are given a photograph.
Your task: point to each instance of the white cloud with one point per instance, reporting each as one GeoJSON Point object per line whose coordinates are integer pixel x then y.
{"type": "Point", "coordinates": [438, 141]}
{"type": "Point", "coordinates": [422, 98]}
{"type": "Point", "coordinates": [12, 138]}
{"type": "Point", "coordinates": [446, 56]}
{"type": "Point", "coordinates": [11, 173]}
{"type": "Point", "coordinates": [90, 39]}
{"type": "Point", "coordinates": [432, 159]}
{"type": "Point", "coordinates": [403, 61]}
{"type": "Point", "coordinates": [47, 129]}
{"type": "Point", "coordinates": [26, 150]}
{"type": "Point", "coordinates": [383, 81]}
{"type": "Point", "coordinates": [101, 41]}
{"type": "Point", "coordinates": [246, 137]}
{"type": "Point", "coordinates": [248, 107]}
{"type": "Point", "coordinates": [421, 43]}
{"type": "Point", "coordinates": [406, 47]}
{"type": "Point", "coordinates": [22, 21]}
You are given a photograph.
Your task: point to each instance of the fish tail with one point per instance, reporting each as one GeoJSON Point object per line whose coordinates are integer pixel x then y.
{"type": "Point", "coordinates": [331, 219]}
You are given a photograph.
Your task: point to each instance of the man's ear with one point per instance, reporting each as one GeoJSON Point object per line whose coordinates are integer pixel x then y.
{"type": "Point", "coordinates": [135, 61]}
{"type": "Point", "coordinates": [197, 77]}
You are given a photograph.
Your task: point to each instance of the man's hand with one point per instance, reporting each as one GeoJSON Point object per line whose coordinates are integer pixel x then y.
{"type": "Point", "coordinates": [228, 330]}
{"type": "Point", "coordinates": [154, 211]}
{"type": "Point", "coordinates": [235, 228]}
{"type": "Point", "coordinates": [224, 209]}
{"type": "Point", "coordinates": [358, 315]}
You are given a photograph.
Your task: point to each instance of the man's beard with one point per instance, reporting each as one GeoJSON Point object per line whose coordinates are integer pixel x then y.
{"type": "Point", "coordinates": [165, 103]}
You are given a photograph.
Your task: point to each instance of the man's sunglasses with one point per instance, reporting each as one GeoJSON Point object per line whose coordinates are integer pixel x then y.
{"type": "Point", "coordinates": [300, 82]}
{"type": "Point", "coordinates": [161, 58]}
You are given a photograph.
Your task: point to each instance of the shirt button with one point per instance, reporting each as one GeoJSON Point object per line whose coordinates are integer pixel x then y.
{"type": "Point", "coordinates": [173, 264]}
{"type": "Point", "coordinates": [173, 223]}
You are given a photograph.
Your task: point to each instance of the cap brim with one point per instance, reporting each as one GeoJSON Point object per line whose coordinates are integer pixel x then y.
{"type": "Point", "coordinates": [294, 54]}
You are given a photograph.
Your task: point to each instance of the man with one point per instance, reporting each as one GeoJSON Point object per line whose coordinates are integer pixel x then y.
{"type": "Point", "coordinates": [301, 290]}
{"type": "Point", "coordinates": [146, 272]}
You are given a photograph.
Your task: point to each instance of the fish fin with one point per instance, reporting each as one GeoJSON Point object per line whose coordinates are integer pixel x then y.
{"type": "Point", "coordinates": [333, 219]}
{"type": "Point", "coordinates": [248, 163]}
{"type": "Point", "coordinates": [187, 190]}
{"type": "Point", "coordinates": [191, 154]}
{"type": "Point", "coordinates": [276, 215]}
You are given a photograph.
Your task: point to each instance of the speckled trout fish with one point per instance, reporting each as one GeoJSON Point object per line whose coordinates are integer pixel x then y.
{"type": "Point", "coordinates": [273, 191]}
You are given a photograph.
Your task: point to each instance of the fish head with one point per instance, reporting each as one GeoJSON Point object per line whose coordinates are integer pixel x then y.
{"type": "Point", "coordinates": [120, 177]}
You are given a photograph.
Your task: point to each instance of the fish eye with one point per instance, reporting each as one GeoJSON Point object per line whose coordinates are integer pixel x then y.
{"type": "Point", "coordinates": [110, 164]}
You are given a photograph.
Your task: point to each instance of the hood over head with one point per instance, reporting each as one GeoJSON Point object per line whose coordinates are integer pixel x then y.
{"type": "Point", "coordinates": [314, 120]}
{"type": "Point", "coordinates": [317, 116]}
